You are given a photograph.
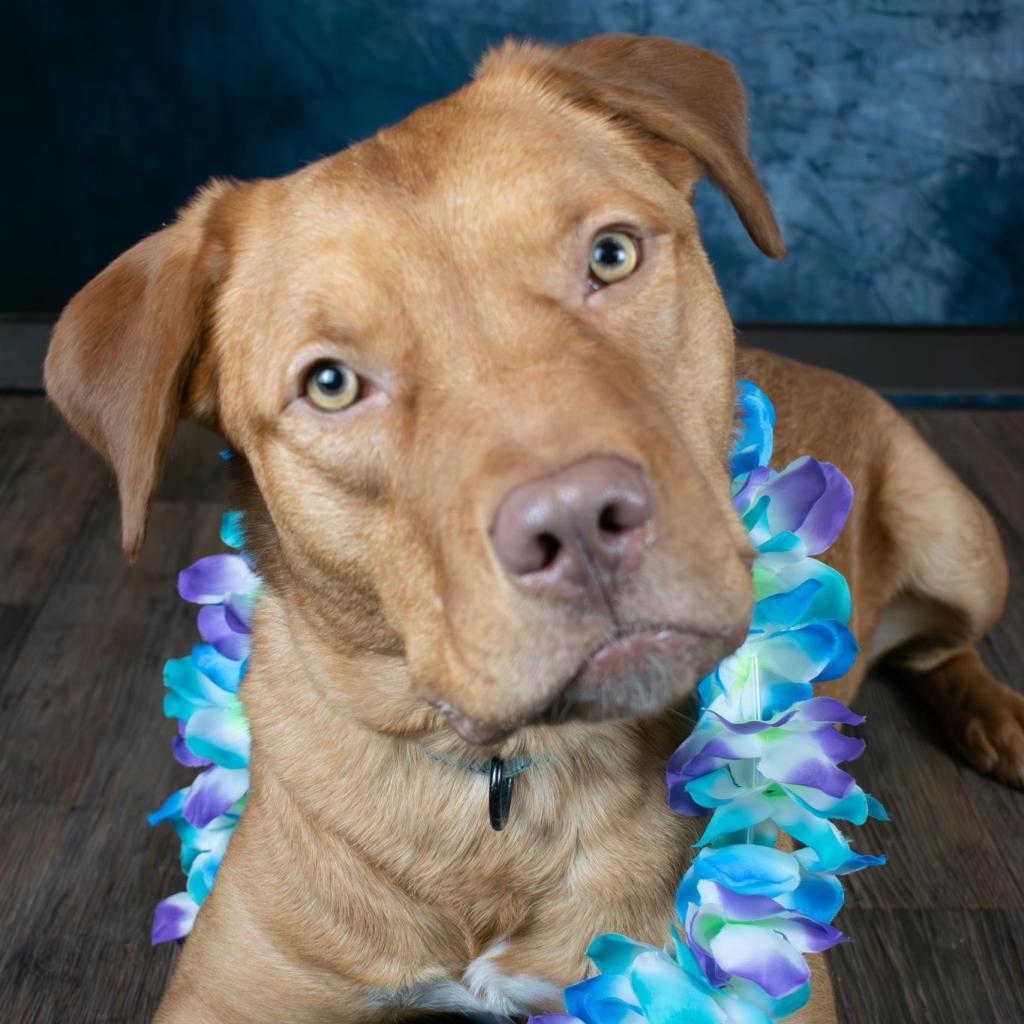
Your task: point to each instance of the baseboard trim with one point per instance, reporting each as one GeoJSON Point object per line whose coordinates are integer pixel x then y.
{"type": "Point", "coordinates": [966, 361]}
{"type": "Point", "coordinates": [23, 342]}
{"type": "Point", "coordinates": [950, 400]}
{"type": "Point", "coordinates": [975, 367]}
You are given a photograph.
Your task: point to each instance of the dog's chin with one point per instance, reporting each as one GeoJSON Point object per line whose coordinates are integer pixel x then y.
{"type": "Point", "coordinates": [635, 673]}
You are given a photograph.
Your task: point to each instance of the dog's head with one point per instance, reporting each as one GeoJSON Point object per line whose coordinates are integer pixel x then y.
{"type": "Point", "coordinates": [483, 377]}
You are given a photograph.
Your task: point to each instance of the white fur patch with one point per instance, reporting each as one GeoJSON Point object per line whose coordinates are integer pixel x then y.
{"type": "Point", "coordinates": [903, 620]}
{"type": "Point", "coordinates": [429, 995]}
{"type": "Point", "coordinates": [484, 987]}
{"type": "Point", "coordinates": [503, 993]}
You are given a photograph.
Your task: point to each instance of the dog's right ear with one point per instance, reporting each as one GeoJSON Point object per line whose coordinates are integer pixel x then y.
{"type": "Point", "coordinates": [666, 92]}
{"type": "Point", "coordinates": [122, 360]}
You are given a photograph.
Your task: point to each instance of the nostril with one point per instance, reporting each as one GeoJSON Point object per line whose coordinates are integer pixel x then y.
{"type": "Point", "coordinates": [625, 513]}
{"type": "Point", "coordinates": [550, 547]}
{"type": "Point", "coordinates": [610, 520]}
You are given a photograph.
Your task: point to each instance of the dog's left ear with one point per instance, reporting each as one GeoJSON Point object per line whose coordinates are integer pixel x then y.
{"type": "Point", "coordinates": [122, 361]}
{"type": "Point", "coordinates": [670, 92]}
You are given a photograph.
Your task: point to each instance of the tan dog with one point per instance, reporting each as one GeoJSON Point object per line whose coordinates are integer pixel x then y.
{"type": "Point", "coordinates": [484, 381]}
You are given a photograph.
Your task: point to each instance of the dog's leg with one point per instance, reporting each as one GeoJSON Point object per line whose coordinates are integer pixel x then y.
{"type": "Point", "coordinates": [948, 588]}
{"type": "Point", "coordinates": [983, 718]}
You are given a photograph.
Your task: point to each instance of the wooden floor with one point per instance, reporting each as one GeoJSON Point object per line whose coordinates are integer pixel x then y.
{"type": "Point", "coordinates": [938, 936]}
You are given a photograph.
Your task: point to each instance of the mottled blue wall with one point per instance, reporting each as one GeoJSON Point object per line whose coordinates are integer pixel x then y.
{"type": "Point", "coordinates": [890, 134]}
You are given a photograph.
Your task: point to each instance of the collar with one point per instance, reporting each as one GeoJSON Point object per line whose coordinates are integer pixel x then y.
{"type": "Point", "coordinates": [502, 776]}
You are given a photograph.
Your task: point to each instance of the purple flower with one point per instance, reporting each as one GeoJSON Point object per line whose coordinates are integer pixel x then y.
{"type": "Point", "coordinates": [222, 628]}
{"type": "Point", "coordinates": [215, 579]}
{"type": "Point", "coordinates": [213, 792]}
{"type": "Point", "coordinates": [173, 918]}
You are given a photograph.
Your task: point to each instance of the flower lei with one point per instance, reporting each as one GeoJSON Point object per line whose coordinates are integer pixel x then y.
{"type": "Point", "coordinates": [213, 732]}
{"type": "Point", "coordinates": [762, 758]}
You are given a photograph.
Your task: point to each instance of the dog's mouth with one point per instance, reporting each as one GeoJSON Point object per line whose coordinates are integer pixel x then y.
{"type": "Point", "coordinates": [634, 672]}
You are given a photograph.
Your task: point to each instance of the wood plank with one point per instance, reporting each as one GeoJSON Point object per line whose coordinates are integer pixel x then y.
{"type": "Point", "coordinates": [86, 757]}
{"type": "Point", "coordinates": [931, 967]}
{"type": "Point", "coordinates": [936, 832]}
{"type": "Point", "coordinates": [986, 451]}
{"type": "Point", "coordinates": [85, 747]}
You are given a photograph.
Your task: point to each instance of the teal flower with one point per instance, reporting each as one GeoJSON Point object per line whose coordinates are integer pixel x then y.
{"type": "Point", "coordinates": [202, 851]}
{"type": "Point", "coordinates": [641, 984]}
{"type": "Point", "coordinates": [202, 695]}
{"type": "Point", "coordinates": [755, 438]}
{"type": "Point", "coordinates": [738, 908]}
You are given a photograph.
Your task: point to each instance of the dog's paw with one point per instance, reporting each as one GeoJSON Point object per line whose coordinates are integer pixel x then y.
{"type": "Point", "coordinates": [989, 733]}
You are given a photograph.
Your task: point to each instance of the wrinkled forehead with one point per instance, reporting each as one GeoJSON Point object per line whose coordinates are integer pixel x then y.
{"type": "Point", "coordinates": [490, 179]}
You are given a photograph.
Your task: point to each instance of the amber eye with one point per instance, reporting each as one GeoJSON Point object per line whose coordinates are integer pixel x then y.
{"type": "Point", "coordinates": [332, 386]}
{"type": "Point", "coordinates": [614, 255]}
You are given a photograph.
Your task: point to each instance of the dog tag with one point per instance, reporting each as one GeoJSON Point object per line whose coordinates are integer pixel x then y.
{"type": "Point", "coordinates": [501, 794]}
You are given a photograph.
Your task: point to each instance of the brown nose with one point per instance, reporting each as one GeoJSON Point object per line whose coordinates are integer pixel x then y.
{"type": "Point", "coordinates": [576, 531]}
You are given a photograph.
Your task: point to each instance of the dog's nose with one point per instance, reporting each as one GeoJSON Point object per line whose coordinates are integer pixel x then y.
{"type": "Point", "coordinates": [581, 528]}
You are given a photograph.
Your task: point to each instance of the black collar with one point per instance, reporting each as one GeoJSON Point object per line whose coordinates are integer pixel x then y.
{"type": "Point", "coordinates": [502, 776]}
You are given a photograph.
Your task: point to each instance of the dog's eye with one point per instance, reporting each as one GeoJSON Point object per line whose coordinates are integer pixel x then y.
{"type": "Point", "coordinates": [614, 255]}
{"type": "Point", "coordinates": [332, 386]}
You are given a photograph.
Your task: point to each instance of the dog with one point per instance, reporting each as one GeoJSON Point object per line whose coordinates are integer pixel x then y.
{"type": "Point", "coordinates": [482, 385]}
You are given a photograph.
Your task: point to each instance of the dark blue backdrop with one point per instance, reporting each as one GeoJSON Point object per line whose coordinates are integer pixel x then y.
{"type": "Point", "coordinates": [891, 136]}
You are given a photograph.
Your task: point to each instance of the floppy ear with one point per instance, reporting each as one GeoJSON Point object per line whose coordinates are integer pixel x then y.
{"type": "Point", "coordinates": [674, 93]}
{"type": "Point", "coordinates": [121, 359]}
